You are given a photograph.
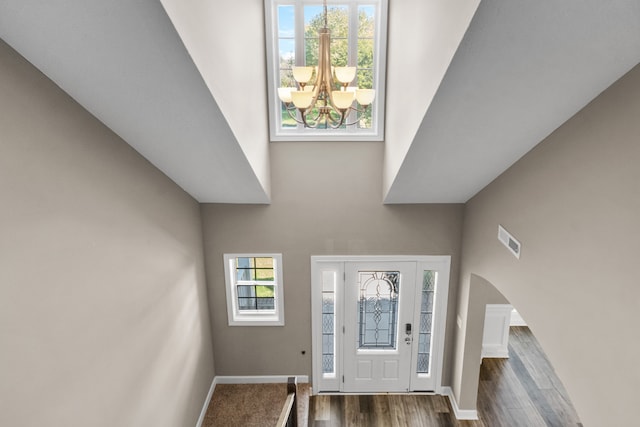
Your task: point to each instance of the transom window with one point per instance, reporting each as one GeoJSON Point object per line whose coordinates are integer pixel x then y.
{"type": "Point", "coordinates": [358, 39]}
{"type": "Point", "coordinates": [254, 289]}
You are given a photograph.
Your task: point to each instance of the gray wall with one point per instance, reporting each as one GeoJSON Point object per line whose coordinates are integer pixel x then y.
{"type": "Point", "coordinates": [574, 203]}
{"type": "Point", "coordinates": [103, 315]}
{"type": "Point", "coordinates": [326, 200]}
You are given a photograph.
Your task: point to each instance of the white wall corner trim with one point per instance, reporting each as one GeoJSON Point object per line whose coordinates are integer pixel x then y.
{"type": "Point", "coordinates": [206, 402]}
{"type": "Point", "coordinates": [461, 414]}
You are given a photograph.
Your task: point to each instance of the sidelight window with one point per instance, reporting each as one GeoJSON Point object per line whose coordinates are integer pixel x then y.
{"type": "Point", "coordinates": [426, 321]}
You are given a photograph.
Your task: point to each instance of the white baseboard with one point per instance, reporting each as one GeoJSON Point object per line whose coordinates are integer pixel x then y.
{"type": "Point", "coordinates": [206, 402]}
{"type": "Point", "coordinates": [461, 414]}
{"type": "Point", "coordinates": [260, 379]}
{"type": "Point", "coordinates": [497, 352]}
{"type": "Point", "coordinates": [516, 319]}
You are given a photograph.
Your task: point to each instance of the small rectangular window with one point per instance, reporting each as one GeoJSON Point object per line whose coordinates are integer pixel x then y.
{"type": "Point", "coordinates": [254, 289]}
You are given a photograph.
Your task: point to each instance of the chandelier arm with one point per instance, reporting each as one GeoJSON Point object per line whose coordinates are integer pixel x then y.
{"type": "Point", "coordinates": [329, 120]}
{"type": "Point", "coordinates": [289, 110]}
{"type": "Point", "coordinates": [357, 110]}
{"type": "Point", "coordinates": [305, 112]}
{"type": "Point", "coordinates": [343, 115]}
{"type": "Point", "coordinates": [335, 123]}
{"type": "Point", "coordinates": [316, 119]}
{"type": "Point", "coordinates": [316, 92]}
{"type": "Point", "coordinates": [364, 109]}
{"type": "Point", "coordinates": [304, 117]}
{"type": "Point", "coordinates": [317, 116]}
{"type": "Point", "coordinates": [352, 123]}
{"type": "Point", "coordinates": [332, 122]}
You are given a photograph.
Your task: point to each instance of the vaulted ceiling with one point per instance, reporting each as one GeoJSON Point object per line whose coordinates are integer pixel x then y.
{"type": "Point", "coordinates": [471, 86]}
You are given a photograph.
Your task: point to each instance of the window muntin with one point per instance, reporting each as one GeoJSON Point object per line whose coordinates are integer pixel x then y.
{"type": "Point", "coordinates": [254, 289]}
{"type": "Point", "coordinates": [358, 38]}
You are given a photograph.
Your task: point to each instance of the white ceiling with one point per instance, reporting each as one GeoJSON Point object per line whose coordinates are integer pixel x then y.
{"type": "Point", "coordinates": [125, 63]}
{"type": "Point", "coordinates": [522, 69]}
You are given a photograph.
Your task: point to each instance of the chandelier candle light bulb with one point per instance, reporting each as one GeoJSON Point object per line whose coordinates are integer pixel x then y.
{"type": "Point", "coordinates": [284, 93]}
{"type": "Point", "coordinates": [302, 99]}
{"type": "Point", "coordinates": [302, 75]}
{"type": "Point", "coordinates": [345, 75]}
{"type": "Point", "coordinates": [342, 99]}
{"type": "Point", "coordinates": [365, 96]}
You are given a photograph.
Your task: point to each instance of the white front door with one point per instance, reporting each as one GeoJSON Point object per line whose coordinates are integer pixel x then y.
{"type": "Point", "coordinates": [378, 323]}
{"type": "Point", "coordinates": [379, 313]}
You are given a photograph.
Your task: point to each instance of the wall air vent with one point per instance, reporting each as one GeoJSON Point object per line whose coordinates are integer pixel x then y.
{"type": "Point", "coordinates": [509, 241]}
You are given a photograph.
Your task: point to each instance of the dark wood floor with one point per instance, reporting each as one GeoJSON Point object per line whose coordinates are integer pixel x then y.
{"type": "Point", "coordinates": [520, 391]}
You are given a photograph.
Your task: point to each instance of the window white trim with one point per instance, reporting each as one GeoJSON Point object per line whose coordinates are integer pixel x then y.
{"type": "Point", "coordinates": [273, 72]}
{"type": "Point", "coordinates": [239, 317]}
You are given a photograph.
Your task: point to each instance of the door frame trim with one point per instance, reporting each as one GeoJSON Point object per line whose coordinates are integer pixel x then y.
{"type": "Point", "coordinates": [440, 316]}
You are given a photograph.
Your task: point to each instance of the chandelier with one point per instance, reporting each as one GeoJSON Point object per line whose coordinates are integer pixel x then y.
{"type": "Point", "coordinates": [323, 101]}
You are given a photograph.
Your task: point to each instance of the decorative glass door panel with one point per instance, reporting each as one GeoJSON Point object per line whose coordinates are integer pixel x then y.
{"type": "Point", "coordinates": [378, 309]}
